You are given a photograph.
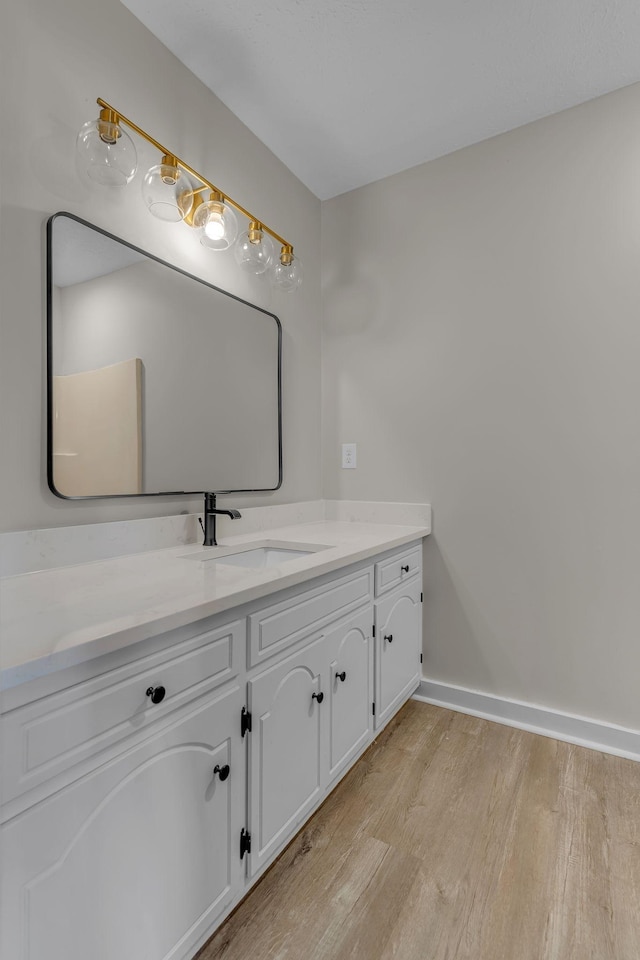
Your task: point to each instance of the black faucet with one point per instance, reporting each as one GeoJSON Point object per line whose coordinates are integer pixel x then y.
{"type": "Point", "coordinates": [210, 514]}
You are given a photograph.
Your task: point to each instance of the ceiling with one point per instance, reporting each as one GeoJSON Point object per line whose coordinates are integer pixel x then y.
{"type": "Point", "coordinates": [346, 92]}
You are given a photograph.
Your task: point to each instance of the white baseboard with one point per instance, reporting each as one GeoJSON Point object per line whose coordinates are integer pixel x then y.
{"type": "Point", "coordinates": [594, 734]}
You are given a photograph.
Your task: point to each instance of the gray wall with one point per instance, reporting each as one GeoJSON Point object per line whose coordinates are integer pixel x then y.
{"type": "Point", "coordinates": [482, 347]}
{"type": "Point", "coordinates": [55, 60]}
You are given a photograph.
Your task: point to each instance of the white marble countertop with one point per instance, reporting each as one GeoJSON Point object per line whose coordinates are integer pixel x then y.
{"type": "Point", "coordinates": [58, 618]}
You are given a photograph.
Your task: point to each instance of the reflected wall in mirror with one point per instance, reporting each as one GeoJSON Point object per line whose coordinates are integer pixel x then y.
{"type": "Point", "coordinates": [158, 382]}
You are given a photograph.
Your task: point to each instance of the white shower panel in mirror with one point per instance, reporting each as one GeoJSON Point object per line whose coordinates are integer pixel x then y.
{"type": "Point", "coordinates": [158, 381]}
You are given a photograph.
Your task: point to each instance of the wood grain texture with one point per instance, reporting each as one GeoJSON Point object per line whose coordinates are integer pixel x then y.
{"type": "Point", "coordinates": [455, 838]}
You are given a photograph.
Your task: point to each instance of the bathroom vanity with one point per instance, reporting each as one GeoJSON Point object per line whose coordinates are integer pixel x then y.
{"type": "Point", "coordinates": [164, 743]}
{"type": "Point", "coordinates": [170, 719]}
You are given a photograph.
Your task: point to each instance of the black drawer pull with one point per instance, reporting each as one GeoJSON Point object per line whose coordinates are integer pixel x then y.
{"type": "Point", "coordinates": [389, 638]}
{"type": "Point", "coordinates": [341, 676]}
{"type": "Point", "coordinates": [318, 696]}
{"type": "Point", "coordinates": [156, 694]}
{"type": "Point", "coordinates": [223, 772]}
{"type": "Point", "coordinates": [405, 569]}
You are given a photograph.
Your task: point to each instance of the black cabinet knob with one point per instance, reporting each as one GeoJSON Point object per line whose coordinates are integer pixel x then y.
{"type": "Point", "coordinates": [405, 569]}
{"type": "Point", "coordinates": [389, 638]}
{"type": "Point", "coordinates": [223, 772]}
{"type": "Point", "coordinates": [318, 696]}
{"type": "Point", "coordinates": [341, 676]}
{"type": "Point", "coordinates": [156, 694]}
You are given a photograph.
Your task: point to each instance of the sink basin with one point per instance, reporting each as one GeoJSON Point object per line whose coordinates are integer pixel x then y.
{"type": "Point", "coordinates": [261, 557]}
{"type": "Point", "coordinates": [256, 556]}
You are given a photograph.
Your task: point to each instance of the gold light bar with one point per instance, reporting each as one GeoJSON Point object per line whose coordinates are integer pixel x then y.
{"type": "Point", "coordinates": [194, 173]}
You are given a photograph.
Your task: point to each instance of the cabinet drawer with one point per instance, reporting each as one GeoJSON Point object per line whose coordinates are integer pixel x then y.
{"type": "Point", "coordinates": [45, 738]}
{"type": "Point", "coordinates": [278, 627]}
{"type": "Point", "coordinates": [395, 570]}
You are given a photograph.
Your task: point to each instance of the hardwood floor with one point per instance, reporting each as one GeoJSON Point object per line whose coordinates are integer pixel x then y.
{"type": "Point", "coordinates": [454, 838]}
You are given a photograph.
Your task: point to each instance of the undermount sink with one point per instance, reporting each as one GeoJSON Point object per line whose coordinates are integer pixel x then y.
{"type": "Point", "coordinates": [261, 557]}
{"type": "Point", "coordinates": [256, 556]}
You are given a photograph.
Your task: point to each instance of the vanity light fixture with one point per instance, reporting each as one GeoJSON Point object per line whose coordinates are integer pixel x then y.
{"type": "Point", "coordinates": [108, 155]}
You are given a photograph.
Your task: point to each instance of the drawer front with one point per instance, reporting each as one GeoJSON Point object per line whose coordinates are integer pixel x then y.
{"type": "Point", "coordinates": [277, 628]}
{"type": "Point", "coordinates": [50, 736]}
{"type": "Point", "coordinates": [395, 570]}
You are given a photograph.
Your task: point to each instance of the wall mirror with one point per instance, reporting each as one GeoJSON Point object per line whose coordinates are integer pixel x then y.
{"type": "Point", "coordinates": [158, 382]}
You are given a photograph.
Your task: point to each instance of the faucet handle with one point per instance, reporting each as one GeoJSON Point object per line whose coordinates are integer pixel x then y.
{"type": "Point", "coordinates": [201, 524]}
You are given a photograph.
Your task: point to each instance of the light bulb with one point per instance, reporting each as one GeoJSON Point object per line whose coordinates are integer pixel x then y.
{"type": "Point", "coordinates": [214, 228]}
{"type": "Point", "coordinates": [254, 250]}
{"type": "Point", "coordinates": [167, 191]}
{"type": "Point", "coordinates": [218, 222]}
{"type": "Point", "coordinates": [106, 152]}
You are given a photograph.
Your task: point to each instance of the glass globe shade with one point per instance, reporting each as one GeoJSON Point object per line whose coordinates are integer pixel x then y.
{"type": "Point", "coordinates": [218, 223]}
{"type": "Point", "coordinates": [167, 192]}
{"type": "Point", "coordinates": [287, 276]}
{"type": "Point", "coordinates": [254, 253]}
{"type": "Point", "coordinates": [106, 153]}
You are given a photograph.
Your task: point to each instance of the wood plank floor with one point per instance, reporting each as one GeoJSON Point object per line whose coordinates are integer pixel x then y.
{"type": "Point", "coordinates": [454, 838]}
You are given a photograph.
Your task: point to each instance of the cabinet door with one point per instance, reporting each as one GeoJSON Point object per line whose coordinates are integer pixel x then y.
{"type": "Point", "coordinates": [137, 859]}
{"type": "Point", "coordinates": [398, 645]}
{"type": "Point", "coordinates": [286, 748]}
{"type": "Point", "coordinates": [350, 690]}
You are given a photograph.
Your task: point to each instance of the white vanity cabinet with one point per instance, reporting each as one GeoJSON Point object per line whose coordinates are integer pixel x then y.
{"type": "Point", "coordinates": [131, 828]}
{"type": "Point", "coordinates": [138, 858]}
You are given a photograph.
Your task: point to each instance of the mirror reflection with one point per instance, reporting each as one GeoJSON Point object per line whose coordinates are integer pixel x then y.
{"type": "Point", "coordinates": [158, 382]}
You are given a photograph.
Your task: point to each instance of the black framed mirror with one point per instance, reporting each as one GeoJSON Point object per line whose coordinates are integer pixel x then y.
{"type": "Point", "coordinates": [158, 382]}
